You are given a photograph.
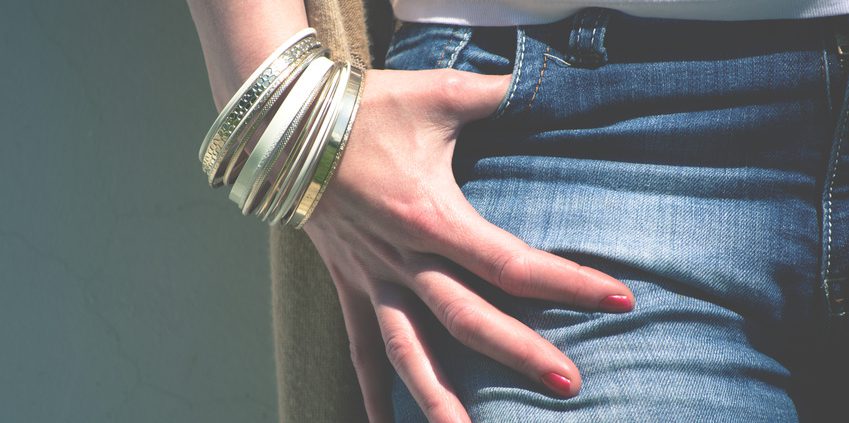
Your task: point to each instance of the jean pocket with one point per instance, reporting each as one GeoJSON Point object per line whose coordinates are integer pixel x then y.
{"type": "Point", "coordinates": [417, 46]}
{"type": "Point", "coordinates": [495, 51]}
{"type": "Point", "coordinates": [483, 50]}
{"type": "Point", "coordinates": [510, 98]}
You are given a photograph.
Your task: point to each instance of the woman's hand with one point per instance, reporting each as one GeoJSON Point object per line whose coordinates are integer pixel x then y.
{"type": "Point", "coordinates": [392, 225]}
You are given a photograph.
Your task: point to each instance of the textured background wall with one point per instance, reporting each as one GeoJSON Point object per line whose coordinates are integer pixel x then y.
{"type": "Point", "coordinates": [129, 290]}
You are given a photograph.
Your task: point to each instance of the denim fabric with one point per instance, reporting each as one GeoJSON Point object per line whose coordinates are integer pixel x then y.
{"type": "Point", "coordinates": [699, 163]}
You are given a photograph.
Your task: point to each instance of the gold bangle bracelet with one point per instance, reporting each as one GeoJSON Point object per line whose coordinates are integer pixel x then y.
{"type": "Point", "coordinates": [291, 155]}
{"type": "Point", "coordinates": [290, 180]}
{"type": "Point", "coordinates": [317, 145]}
{"type": "Point", "coordinates": [288, 163]}
{"type": "Point", "coordinates": [232, 113]}
{"type": "Point", "coordinates": [281, 127]}
{"type": "Point", "coordinates": [332, 154]}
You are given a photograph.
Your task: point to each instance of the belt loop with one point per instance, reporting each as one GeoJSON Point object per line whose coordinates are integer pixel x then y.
{"type": "Point", "coordinates": [586, 38]}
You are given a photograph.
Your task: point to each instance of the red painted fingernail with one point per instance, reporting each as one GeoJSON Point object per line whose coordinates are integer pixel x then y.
{"type": "Point", "coordinates": [557, 383]}
{"type": "Point", "coordinates": [616, 304]}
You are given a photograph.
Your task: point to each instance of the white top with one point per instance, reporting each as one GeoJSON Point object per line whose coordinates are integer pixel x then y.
{"type": "Point", "coordinates": [527, 12]}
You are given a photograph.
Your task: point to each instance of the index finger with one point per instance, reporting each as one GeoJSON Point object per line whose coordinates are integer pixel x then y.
{"type": "Point", "coordinates": [509, 263]}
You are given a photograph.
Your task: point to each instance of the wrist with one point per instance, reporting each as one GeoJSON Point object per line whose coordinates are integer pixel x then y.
{"type": "Point", "coordinates": [236, 36]}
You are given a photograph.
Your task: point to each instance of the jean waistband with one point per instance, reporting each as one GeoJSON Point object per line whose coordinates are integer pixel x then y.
{"type": "Point", "coordinates": [594, 36]}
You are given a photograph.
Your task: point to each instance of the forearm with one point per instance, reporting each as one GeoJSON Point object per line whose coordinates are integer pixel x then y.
{"type": "Point", "coordinates": [237, 35]}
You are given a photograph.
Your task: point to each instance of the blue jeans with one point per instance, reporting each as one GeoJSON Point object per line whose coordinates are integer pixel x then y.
{"type": "Point", "coordinates": [699, 163]}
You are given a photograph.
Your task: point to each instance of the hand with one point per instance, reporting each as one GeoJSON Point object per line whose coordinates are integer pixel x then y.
{"type": "Point", "coordinates": [392, 224]}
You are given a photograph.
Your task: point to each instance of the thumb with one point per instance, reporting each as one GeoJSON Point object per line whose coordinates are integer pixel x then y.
{"type": "Point", "coordinates": [471, 96]}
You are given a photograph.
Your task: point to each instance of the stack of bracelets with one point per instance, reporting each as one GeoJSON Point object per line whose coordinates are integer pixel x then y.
{"type": "Point", "coordinates": [281, 174]}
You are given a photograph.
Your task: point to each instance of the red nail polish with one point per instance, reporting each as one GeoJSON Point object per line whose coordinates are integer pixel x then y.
{"type": "Point", "coordinates": [616, 304]}
{"type": "Point", "coordinates": [557, 383]}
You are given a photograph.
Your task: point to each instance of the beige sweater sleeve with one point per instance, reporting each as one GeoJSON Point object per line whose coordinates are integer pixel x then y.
{"type": "Point", "coordinates": [316, 381]}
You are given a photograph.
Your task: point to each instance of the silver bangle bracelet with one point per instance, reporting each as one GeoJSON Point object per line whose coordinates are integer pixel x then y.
{"type": "Point", "coordinates": [312, 152]}
{"type": "Point", "coordinates": [290, 111]}
{"type": "Point", "coordinates": [243, 135]}
{"type": "Point", "coordinates": [232, 113]}
{"type": "Point", "coordinates": [335, 147]}
{"type": "Point", "coordinates": [241, 153]}
{"type": "Point", "coordinates": [284, 182]}
{"type": "Point", "coordinates": [281, 136]}
{"type": "Point", "coordinates": [292, 144]}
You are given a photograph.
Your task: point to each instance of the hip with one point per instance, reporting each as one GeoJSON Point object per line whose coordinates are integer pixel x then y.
{"type": "Point", "coordinates": [700, 162]}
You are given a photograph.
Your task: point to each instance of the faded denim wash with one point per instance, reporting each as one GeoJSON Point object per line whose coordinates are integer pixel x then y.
{"type": "Point", "coordinates": [699, 163]}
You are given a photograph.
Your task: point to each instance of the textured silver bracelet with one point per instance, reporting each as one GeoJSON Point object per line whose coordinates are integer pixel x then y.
{"type": "Point", "coordinates": [279, 130]}
{"type": "Point", "coordinates": [214, 143]}
{"type": "Point", "coordinates": [280, 174]}
{"type": "Point", "coordinates": [241, 150]}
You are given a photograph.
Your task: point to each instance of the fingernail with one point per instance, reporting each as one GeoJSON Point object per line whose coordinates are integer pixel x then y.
{"type": "Point", "coordinates": [557, 383]}
{"type": "Point", "coordinates": [616, 303]}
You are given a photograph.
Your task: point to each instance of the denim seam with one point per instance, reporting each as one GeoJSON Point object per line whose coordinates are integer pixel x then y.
{"type": "Point", "coordinates": [830, 195]}
{"type": "Point", "coordinates": [446, 48]}
{"type": "Point", "coordinates": [467, 35]}
{"type": "Point", "coordinates": [825, 69]}
{"type": "Point", "coordinates": [520, 58]}
{"type": "Point", "coordinates": [596, 23]}
{"type": "Point", "coordinates": [579, 29]}
{"type": "Point", "coordinates": [541, 74]}
{"type": "Point", "coordinates": [593, 36]}
{"type": "Point", "coordinates": [575, 54]}
{"type": "Point", "coordinates": [439, 60]}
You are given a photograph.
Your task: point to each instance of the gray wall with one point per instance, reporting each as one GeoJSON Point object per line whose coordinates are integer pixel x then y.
{"type": "Point", "coordinates": [129, 290]}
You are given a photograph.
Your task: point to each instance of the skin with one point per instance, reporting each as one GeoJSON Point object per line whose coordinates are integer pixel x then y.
{"type": "Point", "coordinates": [394, 229]}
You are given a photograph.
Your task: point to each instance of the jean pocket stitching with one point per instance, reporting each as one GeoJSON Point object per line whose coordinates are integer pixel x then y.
{"type": "Point", "coordinates": [464, 41]}
{"type": "Point", "coordinates": [455, 37]}
{"type": "Point", "coordinates": [438, 63]}
{"type": "Point", "coordinates": [834, 171]}
{"type": "Point", "coordinates": [835, 165]}
{"type": "Point", "coordinates": [545, 57]}
{"type": "Point", "coordinates": [516, 76]}
{"type": "Point", "coordinates": [831, 69]}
